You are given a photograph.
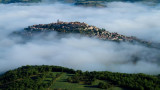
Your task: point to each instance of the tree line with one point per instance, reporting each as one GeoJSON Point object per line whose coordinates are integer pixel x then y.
{"type": "Point", "coordinates": [33, 77]}
{"type": "Point", "coordinates": [131, 81]}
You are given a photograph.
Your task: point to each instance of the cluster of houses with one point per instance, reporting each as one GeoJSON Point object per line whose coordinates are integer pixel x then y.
{"type": "Point", "coordinates": [63, 25]}
{"type": "Point", "coordinates": [81, 28]}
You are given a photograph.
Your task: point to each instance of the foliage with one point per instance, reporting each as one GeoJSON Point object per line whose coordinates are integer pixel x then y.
{"type": "Point", "coordinates": [42, 77]}
{"type": "Point", "coordinates": [31, 77]}
{"type": "Point", "coordinates": [104, 85]}
{"type": "Point", "coordinates": [131, 81]}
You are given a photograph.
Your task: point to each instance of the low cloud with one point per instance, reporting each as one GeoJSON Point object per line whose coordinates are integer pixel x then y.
{"type": "Point", "coordinates": [83, 53]}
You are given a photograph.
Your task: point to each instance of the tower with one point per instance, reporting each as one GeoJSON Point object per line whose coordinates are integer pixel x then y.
{"type": "Point", "coordinates": [58, 21]}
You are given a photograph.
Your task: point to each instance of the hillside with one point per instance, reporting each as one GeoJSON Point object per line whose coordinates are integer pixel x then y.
{"type": "Point", "coordinates": [77, 28]}
{"type": "Point", "coordinates": [60, 78]}
{"type": "Point", "coordinates": [19, 1]}
{"type": "Point", "coordinates": [88, 3]}
{"type": "Point", "coordinates": [102, 3]}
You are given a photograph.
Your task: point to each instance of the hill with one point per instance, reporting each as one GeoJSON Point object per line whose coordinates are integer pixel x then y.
{"type": "Point", "coordinates": [19, 1]}
{"type": "Point", "coordinates": [87, 3]}
{"type": "Point", "coordinates": [61, 78]}
{"type": "Point", "coordinates": [78, 28]}
{"type": "Point", "coordinates": [102, 3]}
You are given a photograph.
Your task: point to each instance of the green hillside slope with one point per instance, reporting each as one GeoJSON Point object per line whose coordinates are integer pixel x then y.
{"type": "Point", "coordinates": [59, 78]}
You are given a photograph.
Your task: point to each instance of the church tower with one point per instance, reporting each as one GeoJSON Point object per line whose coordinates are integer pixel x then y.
{"type": "Point", "coordinates": [58, 21]}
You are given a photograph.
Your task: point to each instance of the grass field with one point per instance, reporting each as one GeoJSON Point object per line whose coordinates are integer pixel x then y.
{"type": "Point", "coordinates": [61, 84]}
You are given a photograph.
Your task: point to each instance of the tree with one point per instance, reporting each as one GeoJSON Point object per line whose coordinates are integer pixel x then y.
{"type": "Point", "coordinates": [104, 85]}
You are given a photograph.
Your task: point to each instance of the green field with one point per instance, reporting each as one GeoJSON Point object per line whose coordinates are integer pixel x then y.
{"type": "Point", "coordinates": [60, 78]}
{"type": "Point", "coordinates": [61, 83]}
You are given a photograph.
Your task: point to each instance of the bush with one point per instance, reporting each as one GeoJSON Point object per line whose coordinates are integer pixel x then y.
{"type": "Point", "coordinates": [104, 85]}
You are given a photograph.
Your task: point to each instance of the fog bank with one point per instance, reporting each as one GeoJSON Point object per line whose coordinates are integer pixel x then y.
{"type": "Point", "coordinates": [83, 53]}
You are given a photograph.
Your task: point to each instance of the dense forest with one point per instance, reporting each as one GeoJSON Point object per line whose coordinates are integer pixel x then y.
{"type": "Point", "coordinates": [43, 77]}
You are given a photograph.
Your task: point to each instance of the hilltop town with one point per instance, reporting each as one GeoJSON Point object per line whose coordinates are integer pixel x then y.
{"type": "Point", "coordinates": [77, 28]}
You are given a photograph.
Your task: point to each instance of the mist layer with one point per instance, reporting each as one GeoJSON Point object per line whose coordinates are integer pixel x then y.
{"type": "Point", "coordinates": [132, 19]}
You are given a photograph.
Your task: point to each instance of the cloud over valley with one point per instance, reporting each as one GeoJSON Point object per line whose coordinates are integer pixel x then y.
{"type": "Point", "coordinates": [130, 19]}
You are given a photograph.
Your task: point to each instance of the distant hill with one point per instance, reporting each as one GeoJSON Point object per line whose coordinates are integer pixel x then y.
{"type": "Point", "coordinates": [93, 3]}
{"type": "Point", "coordinates": [76, 28]}
{"type": "Point", "coordinates": [90, 3]}
{"type": "Point", "coordinates": [19, 1]}
{"type": "Point", "coordinates": [83, 29]}
{"type": "Point", "coordinates": [128, 0]}
{"type": "Point", "coordinates": [101, 3]}
{"type": "Point", "coordinates": [60, 78]}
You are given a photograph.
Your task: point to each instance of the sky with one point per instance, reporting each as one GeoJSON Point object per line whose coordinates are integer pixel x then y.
{"type": "Point", "coordinates": [130, 19]}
